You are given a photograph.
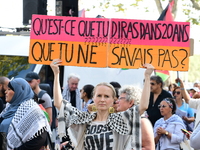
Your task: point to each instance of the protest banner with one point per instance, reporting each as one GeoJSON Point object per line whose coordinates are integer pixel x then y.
{"type": "Point", "coordinates": [115, 43]}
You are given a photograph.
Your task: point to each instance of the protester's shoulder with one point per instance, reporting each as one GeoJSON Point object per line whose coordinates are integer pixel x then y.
{"type": "Point", "coordinates": [28, 104]}
{"type": "Point", "coordinates": [46, 96]}
{"type": "Point", "coordinates": [1, 101]}
{"type": "Point", "coordinates": [166, 93]}
{"type": "Point", "coordinates": [177, 120]}
{"type": "Point", "coordinates": [194, 103]}
{"type": "Point", "coordinates": [158, 123]}
{"type": "Point", "coordinates": [192, 100]}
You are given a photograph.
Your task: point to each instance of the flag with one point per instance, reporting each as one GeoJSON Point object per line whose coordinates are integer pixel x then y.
{"type": "Point", "coordinates": [81, 13]}
{"type": "Point", "coordinates": [166, 15]}
{"type": "Point", "coordinates": [164, 74]}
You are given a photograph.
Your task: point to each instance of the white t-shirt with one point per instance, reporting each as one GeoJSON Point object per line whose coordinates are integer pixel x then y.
{"type": "Point", "coordinates": [98, 136]}
{"type": "Point", "coordinates": [195, 103]}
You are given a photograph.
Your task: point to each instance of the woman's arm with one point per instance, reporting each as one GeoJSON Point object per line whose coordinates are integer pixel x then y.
{"type": "Point", "coordinates": [147, 135]}
{"type": "Point", "coordinates": [144, 102]}
{"type": "Point", "coordinates": [194, 138]}
{"type": "Point", "coordinates": [56, 87]}
{"type": "Point", "coordinates": [188, 119]}
{"type": "Point", "coordinates": [185, 94]}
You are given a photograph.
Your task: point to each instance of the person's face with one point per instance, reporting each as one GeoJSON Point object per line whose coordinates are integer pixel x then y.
{"type": "Point", "coordinates": [164, 108]}
{"type": "Point", "coordinates": [192, 92]}
{"type": "Point", "coordinates": [103, 97]}
{"type": "Point", "coordinates": [154, 86]}
{"type": "Point", "coordinates": [123, 104]}
{"type": "Point", "coordinates": [196, 85]}
{"type": "Point", "coordinates": [172, 88]}
{"type": "Point", "coordinates": [82, 93]}
{"type": "Point", "coordinates": [116, 103]}
{"type": "Point", "coordinates": [73, 84]}
{"type": "Point", "coordinates": [177, 94]}
{"type": "Point", "coordinates": [3, 87]}
{"type": "Point", "coordinates": [9, 94]}
{"type": "Point", "coordinates": [34, 83]}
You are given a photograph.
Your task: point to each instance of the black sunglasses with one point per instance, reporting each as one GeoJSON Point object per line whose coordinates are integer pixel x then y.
{"type": "Point", "coordinates": [177, 92]}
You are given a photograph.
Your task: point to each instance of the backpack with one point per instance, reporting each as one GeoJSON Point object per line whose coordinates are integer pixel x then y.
{"type": "Point", "coordinates": [54, 111]}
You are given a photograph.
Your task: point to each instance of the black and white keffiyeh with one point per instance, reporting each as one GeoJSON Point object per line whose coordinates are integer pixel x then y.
{"type": "Point", "coordinates": [124, 123]}
{"type": "Point", "coordinates": [28, 122]}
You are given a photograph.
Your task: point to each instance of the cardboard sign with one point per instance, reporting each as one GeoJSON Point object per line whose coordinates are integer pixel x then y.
{"type": "Point", "coordinates": [115, 43]}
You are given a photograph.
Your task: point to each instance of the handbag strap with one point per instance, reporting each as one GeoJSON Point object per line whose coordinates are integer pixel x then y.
{"type": "Point", "coordinates": [49, 143]}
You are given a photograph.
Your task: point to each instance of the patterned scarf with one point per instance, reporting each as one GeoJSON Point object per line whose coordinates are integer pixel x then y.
{"type": "Point", "coordinates": [29, 122]}
{"type": "Point", "coordinates": [22, 93]}
{"type": "Point", "coordinates": [66, 95]}
{"type": "Point", "coordinates": [124, 123]}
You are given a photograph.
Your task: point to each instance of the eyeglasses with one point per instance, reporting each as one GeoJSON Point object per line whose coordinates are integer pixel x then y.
{"type": "Point", "coordinates": [152, 83]}
{"type": "Point", "coordinates": [177, 92]}
{"type": "Point", "coordinates": [120, 98]}
{"type": "Point", "coordinates": [161, 106]}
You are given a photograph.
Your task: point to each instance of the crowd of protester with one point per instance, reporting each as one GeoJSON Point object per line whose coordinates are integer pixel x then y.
{"type": "Point", "coordinates": [102, 116]}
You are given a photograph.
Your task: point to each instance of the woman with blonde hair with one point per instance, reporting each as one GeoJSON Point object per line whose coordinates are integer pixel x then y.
{"type": "Point", "coordinates": [101, 129]}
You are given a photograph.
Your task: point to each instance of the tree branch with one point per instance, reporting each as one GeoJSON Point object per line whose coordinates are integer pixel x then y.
{"type": "Point", "coordinates": [174, 8]}
{"type": "Point", "coordinates": [159, 6]}
{"type": "Point", "coordinates": [195, 5]}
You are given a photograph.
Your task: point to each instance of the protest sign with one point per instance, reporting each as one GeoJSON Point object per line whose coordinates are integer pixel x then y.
{"type": "Point", "coordinates": [115, 43]}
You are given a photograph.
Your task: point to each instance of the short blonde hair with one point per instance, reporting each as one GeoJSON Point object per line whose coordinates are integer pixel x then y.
{"type": "Point", "coordinates": [132, 93]}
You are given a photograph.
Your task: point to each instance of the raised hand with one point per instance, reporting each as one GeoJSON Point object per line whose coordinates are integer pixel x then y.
{"type": "Point", "coordinates": [55, 65]}
{"type": "Point", "coordinates": [149, 69]}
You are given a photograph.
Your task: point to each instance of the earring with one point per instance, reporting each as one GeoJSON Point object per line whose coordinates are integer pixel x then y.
{"type": "Point", "coordinates": [111, 110]}
{"type": "Point", "coordinates": [94, 108]}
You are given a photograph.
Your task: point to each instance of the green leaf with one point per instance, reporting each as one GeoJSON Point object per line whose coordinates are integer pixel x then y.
{"type": "Point", "coordinates": [12, 65]}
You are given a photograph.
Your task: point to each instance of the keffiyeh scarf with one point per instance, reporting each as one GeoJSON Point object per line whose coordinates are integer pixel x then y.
{"type": "Point", "coordinates": [124, 123]}
{"type": "Point", "coordinates": [28, 122]}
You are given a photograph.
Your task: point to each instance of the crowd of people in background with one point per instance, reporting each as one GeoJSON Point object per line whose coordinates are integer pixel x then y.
{"type": "Point", "coordinates": [102, 116]}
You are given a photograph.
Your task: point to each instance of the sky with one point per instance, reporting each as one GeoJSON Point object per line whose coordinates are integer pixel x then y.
{"type": "Point", "coordinates": [11, 11]}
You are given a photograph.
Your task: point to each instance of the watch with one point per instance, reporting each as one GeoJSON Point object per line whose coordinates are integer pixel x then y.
{"type": "Point", "coordinates": [166, 133]}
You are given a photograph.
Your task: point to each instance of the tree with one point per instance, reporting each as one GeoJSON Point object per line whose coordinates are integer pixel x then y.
{"type": "Point", "coordinates": [191, 8]}
{"type": "Point", "coordinates": [11, 65]}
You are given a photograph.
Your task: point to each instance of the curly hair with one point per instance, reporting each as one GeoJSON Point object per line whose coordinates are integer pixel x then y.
{"type": "Point", "coordinates": [132, 93]}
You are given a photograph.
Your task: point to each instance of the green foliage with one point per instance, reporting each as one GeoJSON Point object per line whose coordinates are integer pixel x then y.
{"type": "Point", "coordinates": [120, 7]}
{"type": "Point", "coordinates": [191, 8]}
{"type": "Point", "coordinates": [194, 67]}
{"type": "Point", "coordinates": [11, 65]}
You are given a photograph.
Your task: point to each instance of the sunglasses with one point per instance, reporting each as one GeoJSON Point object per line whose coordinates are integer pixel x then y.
{"type": "Point", "coordinates": [152, 83]}
{"type": "Point", "coordinates": [177, 92]}
{"type": "Point", "coordinates": [161, 106]}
